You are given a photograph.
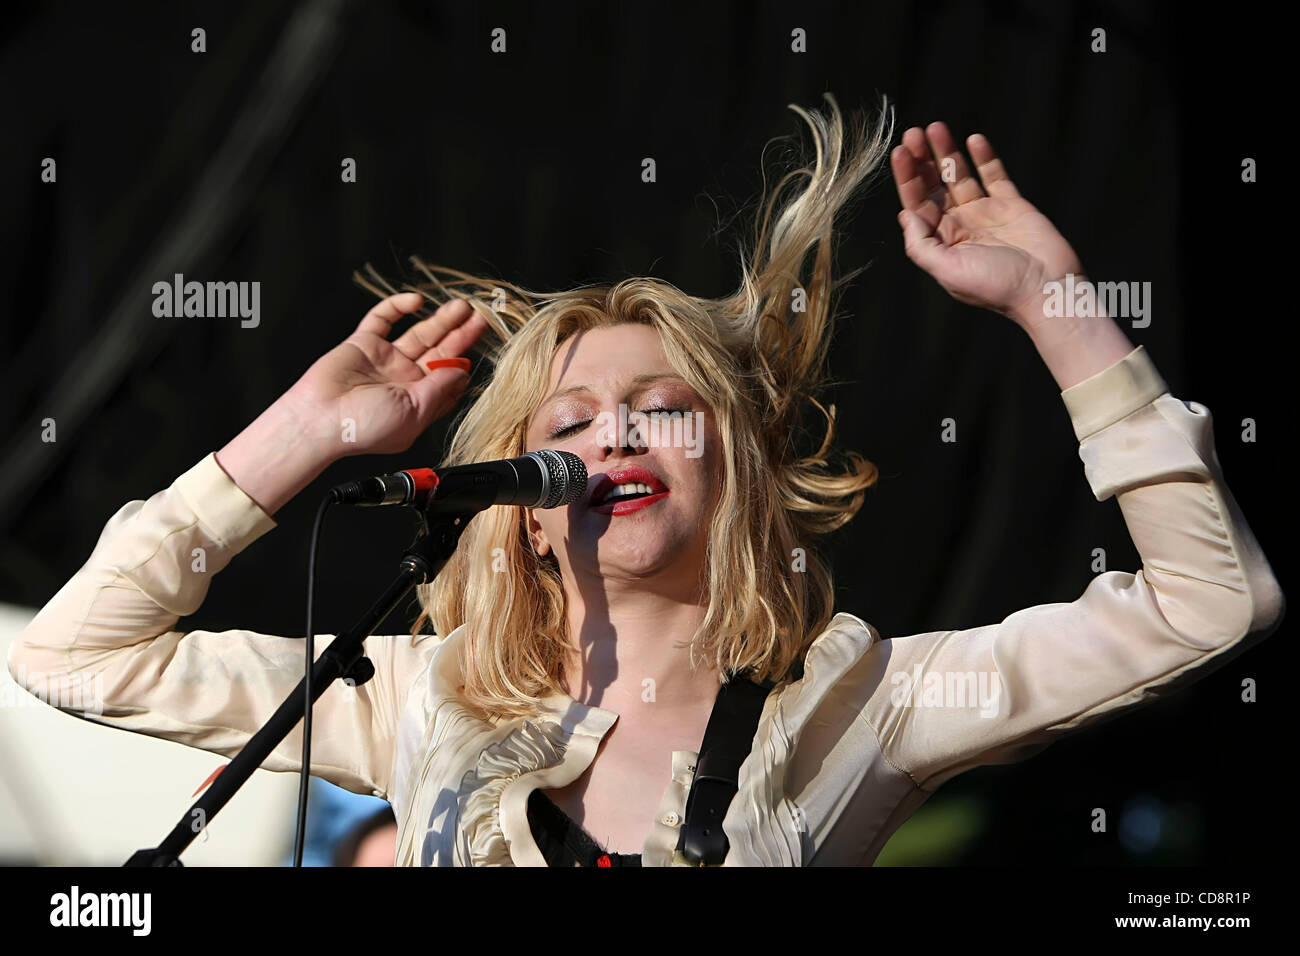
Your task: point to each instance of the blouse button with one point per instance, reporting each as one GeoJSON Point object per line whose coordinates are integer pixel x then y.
{"type": "Point", "coordinates": [672, 819]}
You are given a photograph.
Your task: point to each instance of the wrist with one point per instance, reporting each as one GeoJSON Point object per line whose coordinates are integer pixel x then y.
{"type": "Point", "coordinates": [1075, 348]}
{"type": "Point", "coordinates": [1054, 301]}
{"type": "Point", "coordinates": [276, 456]}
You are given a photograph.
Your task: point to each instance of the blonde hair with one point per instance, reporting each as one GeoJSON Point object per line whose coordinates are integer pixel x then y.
{"type": "Point", "coordinates": [755, 358]}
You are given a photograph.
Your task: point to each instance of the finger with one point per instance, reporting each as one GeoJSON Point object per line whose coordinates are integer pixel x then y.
{"type": "Point", "coordinates": [437, 392]}
{"type": "Point", "coordinates": [953, 169]}
{"type": "Point", "coordinates": [920, 242]}
{"type": "Point", "coordinates": [379, 320]}
{"type": "Point", "coordinates": [913, 192]}
{"type": "Point", "coordinates": [915, 143]}
{"type": "Point", "coordinates": [991, 170]}
{"type": "Point", "coordinates": [456, 342]}
{"type": "Point", "coordinates": [431, 332]}
{"type": "Point", "coordinates": [912, 186]}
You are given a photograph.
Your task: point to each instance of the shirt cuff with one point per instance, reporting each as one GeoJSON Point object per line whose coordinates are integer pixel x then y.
{"type": "Point", "coordinates": [222, 507]}
{"type": "Point", "coordinates": [1113, 393]}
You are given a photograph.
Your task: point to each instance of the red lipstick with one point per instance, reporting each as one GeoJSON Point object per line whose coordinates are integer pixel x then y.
{"type": "Point", "coordinates": [606, 482]}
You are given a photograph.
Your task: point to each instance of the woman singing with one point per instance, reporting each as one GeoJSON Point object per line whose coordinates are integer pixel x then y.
{"type": "Point", "coordinates": [555, 714]}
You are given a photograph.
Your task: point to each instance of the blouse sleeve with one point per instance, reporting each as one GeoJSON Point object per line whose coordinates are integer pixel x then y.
{"type": "Point", "coordinates": [947, 701]}
{"type": "Point", "coordinates": [109, 634]}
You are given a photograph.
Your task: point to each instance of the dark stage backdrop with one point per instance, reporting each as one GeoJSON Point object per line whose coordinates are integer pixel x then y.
{"type": "Point", "coordinates": [526, 165]}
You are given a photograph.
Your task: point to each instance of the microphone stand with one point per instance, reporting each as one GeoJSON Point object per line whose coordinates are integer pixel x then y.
{"type": "Point", "coordinates": [344, 657]}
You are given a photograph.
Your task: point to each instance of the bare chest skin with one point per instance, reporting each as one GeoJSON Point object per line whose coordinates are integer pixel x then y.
{"type": "Point", "coordinates": [617, 798]}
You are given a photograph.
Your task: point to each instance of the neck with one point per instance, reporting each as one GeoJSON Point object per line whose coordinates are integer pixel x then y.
{"type": "Point", "coordinates": [625, 658]}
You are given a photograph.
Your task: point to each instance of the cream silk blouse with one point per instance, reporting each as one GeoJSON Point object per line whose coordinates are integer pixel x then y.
{"type": "Point", "coordinates": [841, 757]}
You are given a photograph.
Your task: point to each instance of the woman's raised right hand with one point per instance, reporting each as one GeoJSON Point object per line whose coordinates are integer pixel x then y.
{"type": "Point", "coordinates": [367, 395]}
{"type": "Point", "coordinates": [370, 395]}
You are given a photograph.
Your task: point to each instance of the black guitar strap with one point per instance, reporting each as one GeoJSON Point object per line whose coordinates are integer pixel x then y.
{"type": "Point", "coordinates": [728, 739]}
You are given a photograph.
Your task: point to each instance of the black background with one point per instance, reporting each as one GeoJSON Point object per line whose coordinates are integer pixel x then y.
{"type": "Point", "coordinates": [526, 166]}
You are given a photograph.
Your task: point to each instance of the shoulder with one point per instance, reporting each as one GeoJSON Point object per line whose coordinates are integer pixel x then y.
{"type": "Point", "coordinates": [843, 620]}
{"type": "Point", "coordinates": [844, 639]}
{"type": "Point", "coordinates": [437, 706]}
{"type": "Point", "coordinates": [842, 644]}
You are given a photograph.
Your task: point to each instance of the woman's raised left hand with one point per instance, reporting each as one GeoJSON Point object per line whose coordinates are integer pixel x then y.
{"type": "Point", "coordinates": [984, 243]}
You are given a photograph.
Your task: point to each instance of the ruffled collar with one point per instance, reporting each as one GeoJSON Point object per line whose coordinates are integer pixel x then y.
{"type": "Point", "coordinates": [764, 827]}
{"type": "Point", "coordinates": [557, 744]}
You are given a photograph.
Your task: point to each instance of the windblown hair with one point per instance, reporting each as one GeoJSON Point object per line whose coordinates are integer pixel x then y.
{"type": "Point", "coordinates": [756, 357]}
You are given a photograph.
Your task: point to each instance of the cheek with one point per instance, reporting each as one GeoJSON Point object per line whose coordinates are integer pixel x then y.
{"type": "Point", "coordinates": [704, 475]}
{"type": "Point", "coordinates": [553, 523]}
{"type": "Point", "coordinates": [712, 456]}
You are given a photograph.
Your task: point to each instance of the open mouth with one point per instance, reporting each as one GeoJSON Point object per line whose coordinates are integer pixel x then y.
{"type": "Point", "coordinates": [625, 490]}
{"type": "Point", "coordinates": [628, 491]}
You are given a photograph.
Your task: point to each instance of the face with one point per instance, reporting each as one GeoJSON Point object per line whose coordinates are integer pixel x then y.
{"type": "Point", "coordinates": [629, 535]}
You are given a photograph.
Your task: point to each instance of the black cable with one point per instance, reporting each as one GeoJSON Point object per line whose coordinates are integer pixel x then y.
{"type": "Point", "coordinates": [305, 774]}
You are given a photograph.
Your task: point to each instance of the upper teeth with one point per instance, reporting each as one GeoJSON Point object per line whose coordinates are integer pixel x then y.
{"type": "Point", "coordinates": [628, 488]}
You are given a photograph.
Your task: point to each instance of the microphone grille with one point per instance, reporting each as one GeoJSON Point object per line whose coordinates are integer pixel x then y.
{"type": "Point", "coordinates": [568, 477]}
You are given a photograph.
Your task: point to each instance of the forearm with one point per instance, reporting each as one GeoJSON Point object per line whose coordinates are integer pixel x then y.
{"type": "Point", "coordinates": [1076, 348]}
{"type": "Point", "coordinates": [153, 564]}
{"type": "Point", "coordinates": [1204, 592]}
{"type": "Point", "coordinates": [107, 646]}
{"type": "Point", "coordinates": [275, 457]}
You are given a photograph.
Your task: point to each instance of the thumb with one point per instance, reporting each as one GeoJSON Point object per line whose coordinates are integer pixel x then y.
{"type": "Point", "coordinates": [921, 244]}
{"type": "Point", "coordinates": [436, 393]}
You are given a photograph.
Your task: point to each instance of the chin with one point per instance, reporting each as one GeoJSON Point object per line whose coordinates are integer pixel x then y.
{"type": "Point", "coordinates": [634, 555]}
{"type": "Point", "coordinates": [616, 551]}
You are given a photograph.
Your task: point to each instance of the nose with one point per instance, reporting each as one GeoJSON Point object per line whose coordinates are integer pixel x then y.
{"type": "Point", "coordinates": [617, 438]}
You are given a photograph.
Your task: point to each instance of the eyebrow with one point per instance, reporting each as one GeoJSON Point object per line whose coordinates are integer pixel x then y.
{"type": "Point", "coordinates": [638, 382]}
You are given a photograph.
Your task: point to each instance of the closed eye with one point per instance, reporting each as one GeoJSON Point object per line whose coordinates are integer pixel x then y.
{"type": "Point", "coordinates": [570, 429]}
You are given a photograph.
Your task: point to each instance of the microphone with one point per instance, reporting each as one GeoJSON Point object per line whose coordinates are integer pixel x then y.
{"type": "Point", "coordinates": [539, 479]}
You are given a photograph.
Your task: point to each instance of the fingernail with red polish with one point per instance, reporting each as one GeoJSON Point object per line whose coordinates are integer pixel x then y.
{"type": "Point", "coordinates": [459, 362]}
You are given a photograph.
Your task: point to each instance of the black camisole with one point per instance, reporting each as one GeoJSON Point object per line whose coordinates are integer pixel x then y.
{"type": "Point", "coordinates": [563, 842]}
